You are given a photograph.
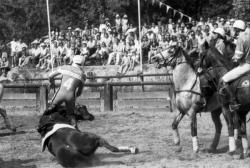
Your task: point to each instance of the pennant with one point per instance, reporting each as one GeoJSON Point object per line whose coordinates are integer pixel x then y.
{"type": "Point", "coordinates": [168, 7]}
{"type": "Point", "coordinates": [174, 13]}
{"type": "Point", "coordinates": [181, 15]}
{"type": "Point", "coordinates": [160, 4]}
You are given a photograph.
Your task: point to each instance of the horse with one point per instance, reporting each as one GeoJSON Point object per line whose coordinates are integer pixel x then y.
{"type": "Point", "coordinates": [241, 87]}
{"type": "Point", "coordinates": [188, 98]}
{"type": "Point", "coordinates": [71, 147]}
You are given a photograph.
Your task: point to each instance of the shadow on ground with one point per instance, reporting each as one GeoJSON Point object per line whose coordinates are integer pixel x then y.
{"type": "Point", "coordinates": [17, 163]}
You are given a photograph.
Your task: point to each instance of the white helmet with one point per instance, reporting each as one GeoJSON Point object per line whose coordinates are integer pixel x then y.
{"type": "Point", "coordinates": [239, 24]}
{"type": "Point", "coordinates": [220, 31]}
{"type": "Point", "coordinates": [78, 59]}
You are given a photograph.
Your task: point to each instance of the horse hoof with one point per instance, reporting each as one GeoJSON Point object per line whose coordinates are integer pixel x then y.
{"type": "Point", "coordinates": [176, 143]}
{"type": "Point", "coordinates": [211, 150]}
{"type": "Point", "coordinates": [134, 150]}
{"type": "Point", "coordinates": [13, 129]}
{"type": "Point", "coordinates": [234, 155]}
{"type": "Point", "coordinates": [243, 156]}
{"type": "Point", "coordinates": [195, 155]}
{"type": "Point", "coordinates": [178, 149]}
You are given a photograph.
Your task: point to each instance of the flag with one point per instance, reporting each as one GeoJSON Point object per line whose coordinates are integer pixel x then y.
{"type": "Point", "coordinates": [174, 12]}
{"type": "Point", "coordinates": [160, 4]}
{"type": "Point", "coordinates": [181, 15]}
{"type": "Point", "coordinates": [168, 7]}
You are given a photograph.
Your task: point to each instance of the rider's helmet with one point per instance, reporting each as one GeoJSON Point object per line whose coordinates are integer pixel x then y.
{"type": "Point", "coordinates": [78, 59]}
{"type": "Point", "coordinates": [220, 31]}
{"type": "Point", "coordinates": [239, 24]}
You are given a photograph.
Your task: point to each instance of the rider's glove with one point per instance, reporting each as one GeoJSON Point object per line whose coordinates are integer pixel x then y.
{"type": "Point", "coordinates": [199, 70]}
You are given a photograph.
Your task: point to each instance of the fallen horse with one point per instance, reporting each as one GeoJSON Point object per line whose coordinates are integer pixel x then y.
{"type": "Point", "coordinates": [71, 147]}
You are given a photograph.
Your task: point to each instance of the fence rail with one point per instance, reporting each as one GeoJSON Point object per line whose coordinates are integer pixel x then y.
{"type": "Point", "coordinates": [105, 77]}
{"type": "Point", "coordinates": [42, 91]}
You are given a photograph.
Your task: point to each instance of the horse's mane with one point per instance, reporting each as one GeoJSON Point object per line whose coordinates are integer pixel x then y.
{"type": "Point", "coordinates": [216, 57]}
{"type": "Point", "coordinates": [181, 51]}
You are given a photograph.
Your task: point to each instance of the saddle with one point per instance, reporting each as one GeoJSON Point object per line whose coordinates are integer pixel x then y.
{"type": "Point", "coordinates": [236, 92]}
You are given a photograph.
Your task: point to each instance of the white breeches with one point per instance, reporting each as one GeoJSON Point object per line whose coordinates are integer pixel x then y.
{"type": "Point", "coordinates": [236, 72]}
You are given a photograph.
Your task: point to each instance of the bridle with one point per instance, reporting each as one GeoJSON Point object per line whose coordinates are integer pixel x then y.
{"type": "Point", "coordinates": [169, 63]}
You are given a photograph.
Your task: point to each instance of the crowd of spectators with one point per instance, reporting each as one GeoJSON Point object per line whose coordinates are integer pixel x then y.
{"type": "Point", "coordinates": [114, 42]}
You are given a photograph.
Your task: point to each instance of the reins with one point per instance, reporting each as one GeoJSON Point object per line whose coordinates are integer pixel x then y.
{"type": "Point", "coordinates": [196, 78]}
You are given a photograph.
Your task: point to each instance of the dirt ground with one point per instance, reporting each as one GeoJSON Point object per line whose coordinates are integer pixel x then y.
{"type": "Point", "coordinates": [149, 131]}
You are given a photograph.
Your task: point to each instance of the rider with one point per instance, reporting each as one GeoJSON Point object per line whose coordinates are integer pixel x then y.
{"type": "Point", "coordinates": [73, 79]}
{"type": "Point", "coordinates": [242, 56]}
{"type": "Point", "coordinates": [219, 36]}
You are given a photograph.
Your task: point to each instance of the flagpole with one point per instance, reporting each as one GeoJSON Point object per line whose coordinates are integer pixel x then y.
{"type": "Point", "coordinates": [139, 20]}
{"type": "Point", "coordinates": [50, 44]}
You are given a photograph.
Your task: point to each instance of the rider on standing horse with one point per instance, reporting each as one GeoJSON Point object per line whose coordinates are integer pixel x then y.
{"type": "Point", "coordinates": [73, 79]}
{"type": "Point", "coordinates": [241, 56]}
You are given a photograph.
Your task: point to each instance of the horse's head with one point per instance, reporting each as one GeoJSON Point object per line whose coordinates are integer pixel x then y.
{"type": "Point", "coordinates": [81, 113]}
{"type": "Point", "coordinates": [172, 56]}
{"type": "Point", "coordinates": [212, 57]}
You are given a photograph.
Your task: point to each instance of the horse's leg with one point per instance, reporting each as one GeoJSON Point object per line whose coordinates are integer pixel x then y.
{"type": "Point", "coordinates": [218, 126]}
{"type": "Point", "coordinates": [243, 133]}
{"type": "Point", "coordinates": [175, 124]}
{"type": "Point", "coordinates": [193, 124]}
{"type": "Point", "coordinates": [229, 118]}
{"type": "Point", "coordinates": [104, 143]}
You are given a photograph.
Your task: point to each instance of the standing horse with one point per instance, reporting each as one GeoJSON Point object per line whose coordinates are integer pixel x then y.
{"type": "Point", "coordinates": [188, 97]}
{"type": "Point", "coordinates": [241, 87]}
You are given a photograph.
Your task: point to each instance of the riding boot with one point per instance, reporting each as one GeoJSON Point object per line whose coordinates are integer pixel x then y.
{"type": "Point", "coordinates": [226, 92]}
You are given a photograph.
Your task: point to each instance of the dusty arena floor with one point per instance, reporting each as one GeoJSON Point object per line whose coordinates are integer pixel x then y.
{"type": "Point", "coordinates": [150, 132]}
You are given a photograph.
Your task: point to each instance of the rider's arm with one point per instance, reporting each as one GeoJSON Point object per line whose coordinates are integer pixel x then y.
{"type": "Point", "coordinates": [54, 74]}
{"type": "Point", "coordinates": [239, 50]}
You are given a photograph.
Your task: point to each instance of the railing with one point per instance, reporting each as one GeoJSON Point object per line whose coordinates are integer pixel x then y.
{"type": "Point", "coordinates": [42, 93]}
{"type": "Point", "coordinates": [108, 90]}
{"type": "Point", "coordinates": [105, 77]}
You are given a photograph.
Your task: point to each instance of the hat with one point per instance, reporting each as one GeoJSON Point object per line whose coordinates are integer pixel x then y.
{"type": "Point", "coordinates": [78, 59]}
{"type": "Point", "coordinates": [4, 55]}
{"type": "Point", "coordinates": [232, 20]}
{"type": "Point", "coordinates": [35, 42]}
{"type": "Point", "coordinates": [69, 28]}
{"type": "Point", "coordinates": [42, 44]}
{"type": "Point", "coordinates": [125, 16]}
{"type": "Point", "coordinates": [106, 19]}
{"type": "Point", "coordinates": [117, 15]}
{"type": "Point", "coordinates": [77, 29]}
{"type": "Point", "coordinates": [220, 31]}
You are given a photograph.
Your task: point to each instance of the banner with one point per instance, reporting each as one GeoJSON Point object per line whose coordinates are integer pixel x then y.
{"type": "Point", "coordinates": [168, 7]}
{"type": "Point", "coordinates": [174, 13]}
{"type": "Point", "coordinates": [160, 4]}
{"type": "Point", "coordinates": [181, 15]}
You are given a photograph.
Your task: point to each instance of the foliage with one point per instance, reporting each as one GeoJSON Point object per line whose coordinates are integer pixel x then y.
{"type": "Point", "coordinates": [27, 19]}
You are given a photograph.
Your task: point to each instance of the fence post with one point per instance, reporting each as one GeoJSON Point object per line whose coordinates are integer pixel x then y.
{"type": "Point", "coordinates": [43, 92]}
{"type": "Point", "coordinates": [108, 97]}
